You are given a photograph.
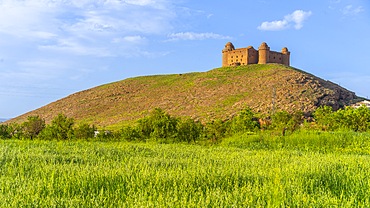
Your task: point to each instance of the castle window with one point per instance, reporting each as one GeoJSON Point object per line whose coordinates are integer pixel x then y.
{"type": "Point", "coordinates": [236, 56]}
{"type": "Point", "coordinates": [232, 57]}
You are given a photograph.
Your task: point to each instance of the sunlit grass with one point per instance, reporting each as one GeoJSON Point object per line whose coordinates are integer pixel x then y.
{"type": "Point", "coordinates": [267, 172]}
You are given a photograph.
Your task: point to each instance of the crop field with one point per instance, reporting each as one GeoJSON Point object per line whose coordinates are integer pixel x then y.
{"type": "Point", "coordinates": [299, 170]}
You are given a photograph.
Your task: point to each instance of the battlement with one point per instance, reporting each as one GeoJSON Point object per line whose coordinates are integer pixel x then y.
{"type": "Point", "coordinates": [249, 55]}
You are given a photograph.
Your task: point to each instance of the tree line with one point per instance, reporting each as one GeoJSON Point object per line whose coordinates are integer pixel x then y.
{"type": "Point", "coordinates": [162, 127]}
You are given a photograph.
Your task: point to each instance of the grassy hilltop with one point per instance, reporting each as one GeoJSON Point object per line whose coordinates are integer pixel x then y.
{"type": "Point", "coordinates": [218, 93]}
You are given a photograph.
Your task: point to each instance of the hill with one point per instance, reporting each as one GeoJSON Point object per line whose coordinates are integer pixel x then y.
{"type": "Point", "coordinates": [218, 93]}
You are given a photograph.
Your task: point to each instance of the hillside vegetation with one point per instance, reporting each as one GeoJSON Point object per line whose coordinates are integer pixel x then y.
{"type": "Point", "coordinates": [217, 94]}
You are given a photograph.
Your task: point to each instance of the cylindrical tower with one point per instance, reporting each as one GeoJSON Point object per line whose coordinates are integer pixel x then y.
{"type": "Point", "coordinates": [286, 56]}
{"type": "Point", "coordinates": [263, 54]}
{"type": "Point", "coordinates": [225, 53]}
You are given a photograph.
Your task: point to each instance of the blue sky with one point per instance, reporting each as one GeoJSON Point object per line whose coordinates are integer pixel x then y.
{"type": "Point", "coordinates": [52, 48]}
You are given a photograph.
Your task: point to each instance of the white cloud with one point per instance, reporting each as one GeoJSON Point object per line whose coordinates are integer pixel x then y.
{"type": "Point", "coordinates": [73, 47]}
{"type": "Point", "coordinates": [346, 9]}
{"type": "Point", "coordinates": [136, 39]}
{"type": "Point", "coordinates": [351, 10]}
{"type": "Point", "coordinates": [274, 25]}
{"type": "Point", "coordinates": [296, 18]}
{"type": "Point", "coordinates": [83, 27]}
{"type": "Point", "coordinates": [195, 36]}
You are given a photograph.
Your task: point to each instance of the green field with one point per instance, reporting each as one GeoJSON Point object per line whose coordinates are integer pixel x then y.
{"type": "Point", "coordinates": [305, 169]}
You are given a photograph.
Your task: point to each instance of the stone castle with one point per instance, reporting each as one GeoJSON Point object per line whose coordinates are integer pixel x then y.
{"type": "Point", "coordinates": [249, 55]}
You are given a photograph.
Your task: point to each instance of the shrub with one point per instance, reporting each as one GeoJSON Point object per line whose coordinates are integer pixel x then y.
{"type": "Point", "coordinates": [189, 130]}
{"type": "Point", "coordinates": [353, 119]}
{"type": "Point", "coordinates": [348, 118]}
{"type": "Point", "coordinates": [129, 133]}
{"type": "Point", "coordinates": [283, 121]}
{"type": "Point", "coordinates": [61, 128]}
{"type": "Point", "coordinates": [84, 131]}
{"type": "Point", "coordinates": [159, 126]}
{"type": "Point", "coordinates": [4, 132]}
{"type": "Point", "coordinates": [216, 130]}
{"type": "Point", "coordinates": [244, 122]}
{"type": "Point", "coordinates": [33, 126]}
{"type": "Point", "coordinates": [324, 117]}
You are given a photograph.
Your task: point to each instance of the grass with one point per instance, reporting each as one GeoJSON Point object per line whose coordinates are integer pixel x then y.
{"type": "Point", "coordinates": [305, 140]}
{"type": "Point", "coordinates": [306, 169]}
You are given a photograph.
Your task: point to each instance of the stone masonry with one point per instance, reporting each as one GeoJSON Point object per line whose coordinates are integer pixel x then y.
{"type": "Point", "coordinates": [249, 55]}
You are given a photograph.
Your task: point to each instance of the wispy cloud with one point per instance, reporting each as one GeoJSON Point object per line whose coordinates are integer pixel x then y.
{"type": "Point", "coordinates": [134, 39]}
{"type": "Point", "coordinates": [74, 47]}
{"type": "Point", "coordinates": [83, 27]}
{"type": "Point", "coordinates": [296, 19]}
{"type": "Point", "coordinates": [195, 36]}
{"type": "Point", "coordinates": [346, 9]}
{"type": "Point", "coordinates": [50, 42]}
{"type": "Point", "coordinates": [352, 10]}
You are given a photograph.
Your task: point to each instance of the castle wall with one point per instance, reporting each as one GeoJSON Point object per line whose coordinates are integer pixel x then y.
{"type": "Point", "coordinates": [252, 56]}
{"type": "Point", "coordinates": [236, 57]}
{"type": "Point", "coordinates": [249, 55]}
{"type": "Point", "coordinates": [275, 57]}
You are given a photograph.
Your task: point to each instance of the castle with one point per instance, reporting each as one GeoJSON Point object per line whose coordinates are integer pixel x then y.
{"type": "Point", "coordinates": [249, 55]}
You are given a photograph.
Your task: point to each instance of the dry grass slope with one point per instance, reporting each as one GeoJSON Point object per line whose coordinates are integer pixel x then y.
{"type": "Point", "coordinates": [219, 93]}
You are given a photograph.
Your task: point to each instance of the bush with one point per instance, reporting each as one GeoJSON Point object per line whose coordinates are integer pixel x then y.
{"type": "Point", "coordinates": [216, 130]}
{"type": "Point", "coordinates": [4, 132]}
{"type": "Point", "coordinates": [159, 126]}
{"type": "Point", "coordinates": [61, 128]}
{"type": "Point", "coordinates": [324, 117]}
{"type": "Point", "coordinates": [189, 130]}
{"type": "Point", "coordinates": [33, 126]}
{"type": "Point", "coordinates": [244, 122]}
{"type": "Point", "coordinates": [355, 119]}
{"type": "Point", "coordinates": [283, 121]}
{"type": "Point", "coordinates": [129, 133]}
{"type": "Point", "coordinates": [84, 131]}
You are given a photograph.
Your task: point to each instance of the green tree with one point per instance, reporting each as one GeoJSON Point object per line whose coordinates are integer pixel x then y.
{"type": "Point", "coordinates": [245, 121]}
{"type": "Point", "coordinates": [130, 133]}
{"type": "Point", "coordinates": [283, 121]}
{"type": "Point", "coordinates": [33, 126]}
{"type": "Point", "coordinates": [61, 128]}
{"type": "Point", "coordinates": [280, 120]}
{"type": "Point", "coordinates": [84, 131]}
{"type": "Point", "coordinates": [4, 131]}
{"type": "Point", "coordinates": [324, 118]}
{"type": "Point", "coordinates": [159, 125]}
{"type": "Point", "coordinates": [15, 130]}
{"type": "Point", "coordinates": [353, 119]}
{"type": "Point", "coordinates": [189, 130]}
{"type": "Point", "coordinates": [216, 130]}
{"type": "Point", "coordinates": [363, 118]}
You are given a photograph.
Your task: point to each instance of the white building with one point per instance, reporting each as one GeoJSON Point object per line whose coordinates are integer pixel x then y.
{"type": "Point", "coordinates": [359, 104]}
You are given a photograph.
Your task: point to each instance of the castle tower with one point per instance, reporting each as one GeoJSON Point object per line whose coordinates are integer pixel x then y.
{"type": "Point", "coordinates": [263, 54]}
{"type": "Point", "coordinates": [286, 56]}
{"type": "Point", "coordinates": [225, 53]}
